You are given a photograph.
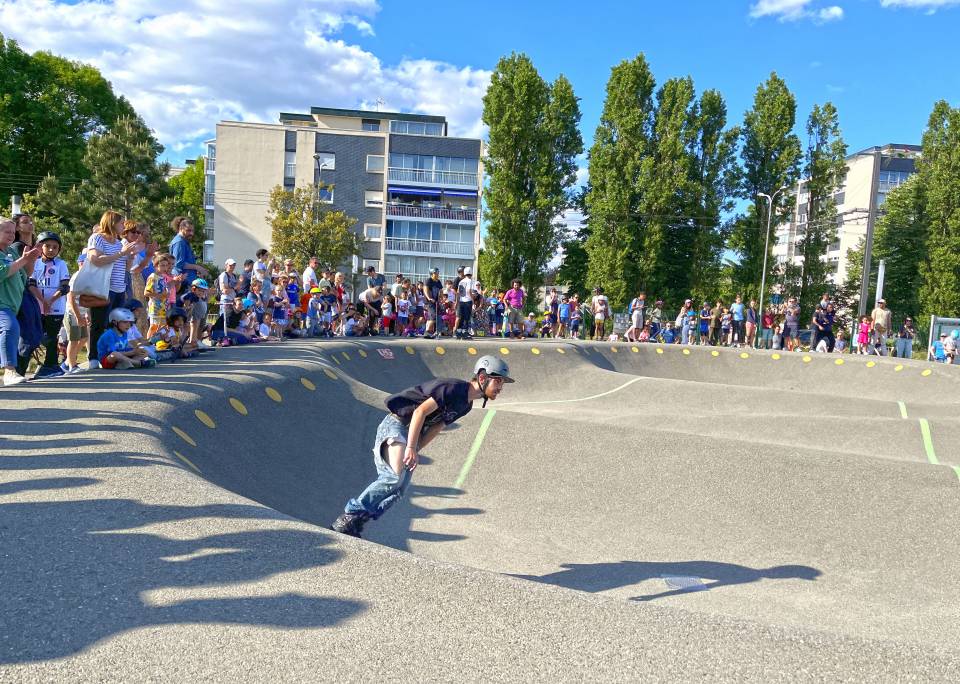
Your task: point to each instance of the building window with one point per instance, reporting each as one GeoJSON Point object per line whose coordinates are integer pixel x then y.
{"type": "Point", "coordinates": [416, 128]}
{"type": "Point", "coordinates": [373, 198]}
{"type": "Point", "coordinates": [327, 161]}
{"type": "Point", "coordinates": [289, 164]}
{"type": "Point", "coordinates": [367, 263]}
{"type": "Point", "coordinates": [371, 231]}
{"type": "Point", "coordinates": [325, 194]}
{"type": "Point", "coordinates": [370, 125]}
{"type": "Point", "coordinates": [375, 163]}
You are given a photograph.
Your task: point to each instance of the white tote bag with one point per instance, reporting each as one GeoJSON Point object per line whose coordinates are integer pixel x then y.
{"type": "Point", "coordinates": [93, 284]}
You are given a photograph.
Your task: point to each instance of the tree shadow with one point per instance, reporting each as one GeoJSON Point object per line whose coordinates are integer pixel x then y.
{"type": "Point", "coordinates": [596, 577]}
{"type": "Point", "coordinates": [77, 571]}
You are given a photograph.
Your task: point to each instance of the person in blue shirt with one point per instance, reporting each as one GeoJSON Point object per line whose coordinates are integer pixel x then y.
{"type": "Point", "coordinates": [114, 349]}
{"type": "Point", "coordinates": [938, 351]}
{"type": "Point", "coordinates": [737, 312]}
{"type": "Point", "coordinates": [184, 260]}
{"type": "Point", "coordinates": [564, 313]}
{"type": "Point", "coordinates": [668, 334]}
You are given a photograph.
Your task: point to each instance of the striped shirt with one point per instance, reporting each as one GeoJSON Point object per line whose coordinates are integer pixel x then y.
{"type": "Point", "coordinates": [118, 276]}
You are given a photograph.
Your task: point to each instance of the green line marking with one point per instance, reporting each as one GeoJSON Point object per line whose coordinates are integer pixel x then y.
{"type": "Point", "coordinates": [903, 409]}
{"type": "Point", "coordinates": [928, 441]}
{"type": "Point", "coordinates": [956, 469]}
{"type": "Point", "coordinates": [475, 449]}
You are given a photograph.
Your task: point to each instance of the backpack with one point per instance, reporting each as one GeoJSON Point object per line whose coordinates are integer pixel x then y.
{"type": "Point", "coordinates": [31, 324]}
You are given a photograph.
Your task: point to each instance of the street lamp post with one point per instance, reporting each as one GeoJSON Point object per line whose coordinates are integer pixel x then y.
{"type": "Point", "coordinates": [766, 247]}
{"type": "Point", "coordinates": [316, 204]}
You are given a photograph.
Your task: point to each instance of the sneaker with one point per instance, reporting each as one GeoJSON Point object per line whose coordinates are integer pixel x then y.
{"type": "Point", "coordinates": [350, 524]}
{"type": "Point", "coordinates": [11, 378]}
{"type": "Point", "coordinates": [93, 364]}
{"type": "Point", "coordinates": [75, 370]}
{"type": "Point", "coordinates": [64, 367]}
{"type": "Point", "coordinates": [148, 363]}
{"type": "Point", "coordinates": [44, 373]}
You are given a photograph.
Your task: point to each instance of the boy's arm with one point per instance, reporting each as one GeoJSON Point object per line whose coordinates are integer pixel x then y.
{"type": "Point", "coordinates": [432, 432]}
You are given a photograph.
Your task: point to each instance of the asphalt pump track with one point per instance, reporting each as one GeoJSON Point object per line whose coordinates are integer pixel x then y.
{"type": "Point", "coordinates": [620, 513]}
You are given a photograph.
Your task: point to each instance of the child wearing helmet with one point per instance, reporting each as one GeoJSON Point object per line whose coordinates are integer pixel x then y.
{"type": "Point", "coordinates": [180, 333]}
{"type": "Point", "coordinates": [314, 306]}
{"type": "Point", "coordinates": [195, 303]}
{"type": "Point", "coordinates": [114, 349]}
{"type": "Point", "coordinates": [416, 416]}
{"type": "Point", "coordinates": [50, 283]}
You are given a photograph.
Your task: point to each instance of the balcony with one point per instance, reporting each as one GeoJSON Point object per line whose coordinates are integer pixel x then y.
{"type": "Point", "coordinates": [435, 213]}
{"type": "Point", "coordinates": [208, 202]}
{"type": "Point", "coordinates": [430, 246]}
{"type": "Point", "coordinates": [460, 179]}
{"type": "Point", "coordinates": [211, 164]}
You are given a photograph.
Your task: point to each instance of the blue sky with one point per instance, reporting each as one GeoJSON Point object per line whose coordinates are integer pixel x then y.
{"type": "Point", "coordinates": [186, 64]}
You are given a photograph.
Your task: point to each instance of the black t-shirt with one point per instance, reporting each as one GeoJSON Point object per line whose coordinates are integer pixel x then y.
{"type": "Point", "coordinates": [435, 287]}
{"type": "Point", "coordinates": [451, 397]}
{"type": "Point", "coordinates": [233, 320]}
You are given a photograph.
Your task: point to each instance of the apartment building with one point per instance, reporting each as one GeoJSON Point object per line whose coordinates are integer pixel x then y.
{"type": "Point", "coordinates": [854, 200]}
{"type": "Point", "coordinates": [413, 190]}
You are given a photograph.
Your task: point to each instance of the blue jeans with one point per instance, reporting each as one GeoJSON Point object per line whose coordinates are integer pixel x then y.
{"type": "Point", "coordinates": [389, 487]}
{"type": "Point", "coordinates": [9, 338]}
{"type": "Point", "coordinates": [766, 338]}
{"type": "Point", "coordinates": [685, 332]}
{"type": "Point", "coordinates": [904, 348]}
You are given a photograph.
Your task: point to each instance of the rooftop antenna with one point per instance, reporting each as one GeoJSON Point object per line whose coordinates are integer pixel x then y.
{"type": "Point", "coordinates": [380, 103]}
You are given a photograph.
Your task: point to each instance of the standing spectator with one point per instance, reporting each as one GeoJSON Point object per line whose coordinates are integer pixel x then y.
{"type": "Point", "coordinates": [14, 269]}
{"type": "Point", "coordinates": [564, 315]}
{"type": "Point", "coordinates": [766, 328]}
{"type": "Point", "coordinates": [262, 268]}
{"type": "Point", "coordinates": [704, 323]}
{"type": "Point", "coordinates": [600, 308]}
{"type": "Point", "coordinates": [309, 280]}
{"type": "Point", "coordinates": [24, 233]}
{"type": "Point", "coordinates": [374, 279]}
{"type": "Point", "coordinates": [905, 339]}
{"type": "Point", "coordinates": [937, 350]}
{"type": "Point", "coordinates": [863, 335]}
{"type": "Point", "coordinates": [465, 289]}
{"type": "Point", "coordinates": [245, 278]}
{"type": "Point", "coordinates": [716, 313]}
{"type": "Point", "coordinates": [637, 311]}
{"type": "Point", "coordinates": [141, 263]}
{"type": "Point", "coordinates": [397, 286]}
{"type": "Point", "coordinates": [184, 260]}
{"type": "Point", "coordinates": [431, 294]}
{"type": "Point", "coordinates": [738, 312]}
{"type": "Point", "coordinates": [52, 282]}
{"type": "Point", "coordinates": [950, 346]}
{"type": "Point", "coordinates": [683, 321]}
{"type": "Point", "coordinates": [656, 319]}
{"type": "Point", "coordinates": [372, 301]}
{"type": "Point", "coordinates": [791, 324]}
{"type": "Point", "coordinates": [513, 309]}
{"type": "Point", "coordinates": [227, 280]}
{"type": "Point", "coordinates": [104, 248]}
{"type": "Point", "coordinates": [750, 323]}
{"type": "Point", "coordinates": [882, 318]}
{"type": "Point", "coordinates": [576, 316]}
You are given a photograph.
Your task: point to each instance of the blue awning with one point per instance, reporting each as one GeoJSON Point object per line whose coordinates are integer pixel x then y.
{"type": "Point", "coordinates": [460, 193]}
{"type": "Point", "coordinates": [414, 191]}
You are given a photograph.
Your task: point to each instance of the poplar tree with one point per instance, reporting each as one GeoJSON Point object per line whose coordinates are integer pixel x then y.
{"type": "Point", "coordinates": [530, 163]}
{"type": "Point", "coordinates": [771, 159]}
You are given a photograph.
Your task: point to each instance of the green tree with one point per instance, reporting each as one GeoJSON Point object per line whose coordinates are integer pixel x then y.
{"type": "Point", "coordinates": [623, 139]}
{"type": "Point", "coordinates": [124, 176]}
{"type": "Point", "coordinates": [49, 107]}
{"type": "Point", "coordinates": [939, 169]}
{"type": "Point", "coordinates": [573, 269]}
{"type": "Point", "coordinates": [188, 188]}
{"type": "Point", "coordinates": [530, 164]}
{"type": "Point", "coordinates": [303, 227]}
{"type": "Point", "coordinates": [823, 172]}
{"type": "Point", "coordinates": [770, 154]}
{"type": "Point", "coordinates": [901, 241]}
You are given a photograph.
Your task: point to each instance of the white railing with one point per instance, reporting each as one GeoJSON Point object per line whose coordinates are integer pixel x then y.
{"type": "Point", "coordinates": [208, 202]}
{"type": "Point", "coordinates": [441, 213]}
{"type": "Point", "coordinates": [460, 178]}
{"type": "Point", "coordinates": [289, 170]}
{"type": "Point", "coordinates": [430, 246]}
{"type": "Point", "coordinates": [211, 165]}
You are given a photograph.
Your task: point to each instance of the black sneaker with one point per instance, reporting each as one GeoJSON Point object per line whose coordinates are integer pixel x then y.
{"type": "Point", "coordinates": [45, 372]}
{"type": "Point", "coordinates": [349, 523]}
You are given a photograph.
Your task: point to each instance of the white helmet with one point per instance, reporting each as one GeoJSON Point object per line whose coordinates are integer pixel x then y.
{"type": "Point", "coordinates": [122, 314]}
{"type": "Point", "coordinates": [494, 367]}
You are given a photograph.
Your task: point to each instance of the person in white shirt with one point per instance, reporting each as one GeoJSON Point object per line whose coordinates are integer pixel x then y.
{"type": "Point", "coordinates": [309, 278]}
{"type": "Point", "coordinates": [49, 282]}
{"type": "Point", "coordinates": [465, 290]}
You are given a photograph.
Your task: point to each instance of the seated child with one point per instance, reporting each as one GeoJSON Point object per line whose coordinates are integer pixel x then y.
{"type": "Point", "coordinates": [180, 333]}
{"type": "Point", "coordinates": [645, 333]}
{"type": "Point", "coordinates": [195, 304]}
{"type": "Point", "coordinates": [134, 334]}
{"type": "Point", "coordinates": [530, 325]}
{"type": "Point", "coordinates": [113, 348]}
{"type": "Point", "coordinates": [777, 342]}
{"type": "Point", "coordinates": [669, 334]}
{"type": "Point", "coordinates": [266, 330]}
{"type": "Point", "coordinates": [546, 326]}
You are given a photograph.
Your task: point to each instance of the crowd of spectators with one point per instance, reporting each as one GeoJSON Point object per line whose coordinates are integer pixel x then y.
{"type": "Point", "coordinates": [163, 305]}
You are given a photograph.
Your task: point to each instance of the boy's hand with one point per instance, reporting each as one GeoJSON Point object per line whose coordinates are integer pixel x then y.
{"type": "Point", "coordinates": [410, 458]}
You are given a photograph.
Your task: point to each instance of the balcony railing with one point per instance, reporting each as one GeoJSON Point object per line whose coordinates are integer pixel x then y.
{"type": "Point", "coordinates": [211, 164]}
{"type": "Point", "coordinates": [460, 178]}
{"type": "Point", "coordinates": [439, 213]}
{"type": "Point", "coordinates": [430, 246]}
{"type": "Point", "coordinates": [208, 200]}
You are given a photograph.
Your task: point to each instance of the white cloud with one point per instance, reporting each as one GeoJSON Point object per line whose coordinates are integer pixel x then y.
{"type": "Point", "coordinates": [795, 10]}
{"type": "Point", "coordinates": [187, 64]}
{"type": "Point", "coordinates": [921, 4]}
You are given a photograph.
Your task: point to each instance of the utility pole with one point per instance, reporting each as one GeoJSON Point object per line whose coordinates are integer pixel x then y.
{"type": "Point", "coordinates": [871, 221]}
{"type": "Point", "coordinates": [766, 246]}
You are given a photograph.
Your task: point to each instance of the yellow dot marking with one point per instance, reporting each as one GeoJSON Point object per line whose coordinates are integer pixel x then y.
{"type": "Point", "coordinates": [184, 436]}
{"type": "Point", "coordinates": [926, 372]}
{"type": "Point", "coordinates": [744, 355]}
{"type": "Point", "coordinates": [441, 351]}
{"type": "Point", "coordinates": [561, 351]}
{"type": "Point", "coordinates": [362, 354]}
{"type": "Point", "coordinates": [635, 350]}
{"type": "Point", "coordinates": [714, 353]}
{"type": "Point", "coordinates": [330, 374]}
{"type": "Point", "coordinates": [839, 362]}
{"type": "Point", "coordinates": [686, 352]}
{"type": "Point", "coordinates": [504, 351]}
{"type": "Point", "coordinates": [807, 359]}
{"type": "Point", "coordinates": [535, 351]}
{"type": "Point", "coordinates": [871, 364]}
{"type": "Point", "coordinates": [775, 357]}
{"type": "Point", "coordinates": [336, 360]}
{"type": "Point", "coordinates": [204, 418]}
{"type": "Point", "coordinates": [238, 406]}
{"type": "Point", "coordinates": [273, 394]}
{"type": "Point", "coordinates": [471, 351]}
{"type": "Point", "coordinates": [659, 350]}
{"type": "Point", "coordinates": [409, 349]}
{"type": "Point", "coordinates": [308, 384]}
{"type": "Point", "coordinates": [898, 368]}
{"type": "Point", "coordinates": [614, 350]}
{"type": "Point", "coordinates": [346, 356]}
{"type": "Point", "coordinates": [186, 460]}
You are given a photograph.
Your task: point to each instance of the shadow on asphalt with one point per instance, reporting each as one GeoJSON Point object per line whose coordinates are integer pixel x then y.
{"type": "Point", "coordinates": [75, 572]}
{"type": "Point", "coordinates": [596, 577]}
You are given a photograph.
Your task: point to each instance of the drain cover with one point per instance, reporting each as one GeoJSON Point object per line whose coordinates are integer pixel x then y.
{"type": "Point", "coordinates": [688, 583]}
